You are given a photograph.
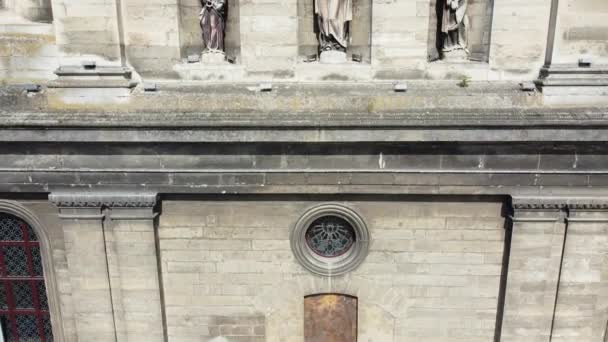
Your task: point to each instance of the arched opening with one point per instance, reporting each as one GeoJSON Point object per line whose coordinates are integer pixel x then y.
{"type": "Point", "coordinates": [24, 305]}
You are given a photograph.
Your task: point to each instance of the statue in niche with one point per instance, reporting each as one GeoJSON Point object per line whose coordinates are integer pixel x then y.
{"type": "Point", "coordinates": [333, 19]}
{"type": "Point", "coordinates": [453, 27]}
{"type": "Point", "coordinates": [213, 23]}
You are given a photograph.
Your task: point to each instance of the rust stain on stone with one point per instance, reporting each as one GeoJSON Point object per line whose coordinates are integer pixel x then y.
{"type": "Point", "coordinates": [330, 318]}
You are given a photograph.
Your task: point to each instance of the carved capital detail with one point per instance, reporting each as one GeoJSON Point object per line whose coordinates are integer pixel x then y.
{"type": "Point", "coordinates": [88, 199]}
{"type": "Point", "coordinates": [559, 203]}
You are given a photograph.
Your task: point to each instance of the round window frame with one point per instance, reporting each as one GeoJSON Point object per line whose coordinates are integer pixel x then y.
{"type": "Point", "coordinates": [330, 266]}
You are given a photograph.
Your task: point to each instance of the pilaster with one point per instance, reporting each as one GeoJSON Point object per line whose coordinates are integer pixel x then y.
{"type": "Point", "coordinates": [581, 312]}
{"type": "Point", "coordinates": [113, 264]}
{"type": "Point", "coordinates": [135, 269]}
{"type": "Point", "coordinates": [537, 240]}
{"type": "Point", "coordinates": [82, 222]}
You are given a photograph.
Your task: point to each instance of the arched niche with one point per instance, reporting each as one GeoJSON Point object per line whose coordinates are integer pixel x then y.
{"type": "Point", "coordinates": [191, 40]}
{"type": "Point", "coordinates": [34, 10]}
{"type": "Point", "coordinates": [479, 16]}
{"type": "Point", "coordinates": [20, 212]}
{"type": "Point", "coordinates": [360, 29]}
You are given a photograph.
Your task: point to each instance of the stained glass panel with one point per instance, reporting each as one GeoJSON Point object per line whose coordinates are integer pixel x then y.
{"type": "Point", "coordinates": [330, 236]}
{"type": "Point", "coordinates": [31, 234]}
{"type": "Point", "coordinates": [3, 302]}
{"type": "Point", "coordinates": [25, 315]}
{"type": "Point", "coordinates": [22, 292]}
{"type": "Point", "coordinates": [27, 327]}
{"type": "Point", "coordinates": [16, 260]}
{"type": "Point", "coordinates": [46, 321]}
{"type": "Point", "coordinates": [10, 228]}
{"type": "Point", "coordinates": [6, 329]}
{"type": "Point", "coordinates": [36, 261]}
{"type": "Point", "coordinates": [44, 303]}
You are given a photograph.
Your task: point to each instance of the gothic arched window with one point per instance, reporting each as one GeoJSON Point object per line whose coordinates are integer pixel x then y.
{"type": "Point", "coordinates": [24, 308]}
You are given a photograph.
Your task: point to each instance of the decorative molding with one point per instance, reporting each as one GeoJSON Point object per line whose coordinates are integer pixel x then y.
{"type": "Point", "coordinates": [560, 203]}
{"type": "Point", "coordinates": [538, 206]}
{"type": "Point", "coordinates": [87, 199]}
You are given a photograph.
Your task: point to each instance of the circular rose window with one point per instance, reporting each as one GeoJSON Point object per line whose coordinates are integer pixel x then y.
{"type": "Point", "coordinates": [330, 239]}
{"type": "Point", "coordinates": [330, 236]}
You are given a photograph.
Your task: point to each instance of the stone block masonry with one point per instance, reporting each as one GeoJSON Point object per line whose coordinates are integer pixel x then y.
{"type": "Point", "coordinates": [269, 39]}
{"type": "Point", "coordinates": [434, 267]}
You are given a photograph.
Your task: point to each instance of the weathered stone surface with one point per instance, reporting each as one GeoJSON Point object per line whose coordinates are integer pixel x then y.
{"type": "Point", "coordinates": [418, 264]}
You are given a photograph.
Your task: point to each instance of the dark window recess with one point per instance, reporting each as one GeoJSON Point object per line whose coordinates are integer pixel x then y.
{"type": "Point", "coordinates": [24, 312]}
{"type": "Point", "coordinates": [330, 236]}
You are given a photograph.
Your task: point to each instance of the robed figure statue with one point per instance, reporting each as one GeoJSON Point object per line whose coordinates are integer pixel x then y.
{"type": "Point", "coordinates": [333, 17]}
{"type": "Point", "coordinates": [213, 24]}
{"type": "Point", "coordinates": [453, 26]}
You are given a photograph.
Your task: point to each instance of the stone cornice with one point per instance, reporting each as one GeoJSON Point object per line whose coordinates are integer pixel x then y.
{"type": "Point", "coordinates": [558, 203]}
{"type": "Point", "coordinates": [412, 118]}
{"type": "Point", "coordinates": [87, 199]}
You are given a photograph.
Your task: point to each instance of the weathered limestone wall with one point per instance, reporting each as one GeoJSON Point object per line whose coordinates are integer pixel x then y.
{"type": "Point", "coordinates": [268, 39]}
{"type": "Point", "coordinates": [582, 29]}
{"type": "Point", "coordinates": [152, 35]}
{"type": "Point", "coordinates": [35, 10]}
{"type": "Point", "coordinates": [533, 275]}
{"type": "Point", "coordinates": [87, 28]}
{"type": "Point", "coordinates": [519, 38]}
{"type": "Point", "coordinates": [582, 302]}
{"type": "Point", "coordinates": [28, 52]}
{"type": "Point", "coordinates": [433, 272]}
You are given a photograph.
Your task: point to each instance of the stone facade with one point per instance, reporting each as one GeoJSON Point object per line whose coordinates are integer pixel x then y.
{"type": "Point", "coordinates": [165, 190]}
{"type": "Point", "coordinates": [428, 261]}
{"type": "Point", "coordinates": [269, 41]}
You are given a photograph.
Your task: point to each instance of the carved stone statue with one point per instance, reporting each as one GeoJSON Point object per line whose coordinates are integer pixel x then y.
{"type": "Point", "coordinates": [453, 26]}
{"type": "Point", "coordinates": [213, 24]}
{"type": "Point", "coordinates": [333, 17]}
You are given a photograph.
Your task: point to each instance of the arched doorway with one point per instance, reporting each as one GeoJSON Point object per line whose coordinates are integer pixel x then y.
{"type": "Point", "coordinates": [24, 307]}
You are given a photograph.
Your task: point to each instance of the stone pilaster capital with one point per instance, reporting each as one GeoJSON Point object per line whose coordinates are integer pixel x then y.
{"type": "Point", "coordinates": [549, 208]}
{"type": "Point", "coordinates": [75, 199]}
{"type": "Point", "coordinates": [538, 209]}
{"type": "Point", "coordinates": [559, 203]}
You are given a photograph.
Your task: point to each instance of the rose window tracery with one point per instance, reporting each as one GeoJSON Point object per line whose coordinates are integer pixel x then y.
{"type": "Point", "coordinates": [330, 236]}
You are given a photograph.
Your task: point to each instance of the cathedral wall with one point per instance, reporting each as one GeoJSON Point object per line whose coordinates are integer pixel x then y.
{"type": "Point", "coordinates": [28, 50]}
{"type": "Point", "coordinates": [433, 270]}
{"type": "Point", "coordinates": [582, 31]}
{"type": "Point", "coordinates": [517, 49]}
{"type": "Point", "coordinates": [35, 10]}
{"type": "Point", "coordinates": [151, 35]}
{"type": "Point", "coordinates": [269, 40]}
{"type": "Point", "coordinates": [582, 305]}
